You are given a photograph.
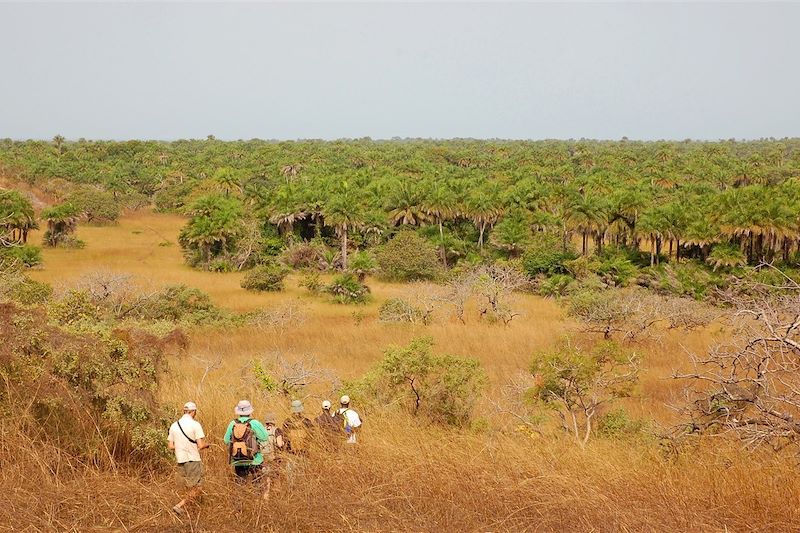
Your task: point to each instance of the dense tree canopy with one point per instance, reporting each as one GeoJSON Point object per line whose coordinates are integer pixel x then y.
{"type": "Point", "coordinates": [675, 199]}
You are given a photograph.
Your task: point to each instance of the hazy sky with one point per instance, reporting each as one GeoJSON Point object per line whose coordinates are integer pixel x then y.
{"type": "Point", "coordinates": [287, 71]}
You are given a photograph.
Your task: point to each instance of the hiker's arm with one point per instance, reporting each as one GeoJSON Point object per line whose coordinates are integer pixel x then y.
{"type": "Point", "coordinates": [171, 444]}
{"type": "Point", "coordinates": [228, 432]}
{"type": "Point", "coordinates": [201, 444]}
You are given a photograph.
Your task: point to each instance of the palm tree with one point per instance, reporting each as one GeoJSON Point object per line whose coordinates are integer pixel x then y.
{"type": "Point", "coordinates": [405, 205]}
{"type": "Point", "coordinates": [483, 208]}
{"type": "Point", "coordinates": [17, 217]}
{"type": "Point", "coordinates": [440, 205]}
{"type": "Point", "coordinates": [589, 216]}
{"type": "Point", "coordinates": [344, 212]}
{"type": "Point", "coordinates": [61, 220]}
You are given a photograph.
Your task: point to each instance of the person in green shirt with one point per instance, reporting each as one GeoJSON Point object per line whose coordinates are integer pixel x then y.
{"type": "Point", "coordinates": [244, 414]}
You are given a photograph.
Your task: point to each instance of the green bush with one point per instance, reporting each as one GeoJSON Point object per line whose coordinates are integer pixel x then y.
{"type": "Point", "coordinates": [311, 281]}
{"type": "Point", "coordinates": [30, 292]}
{"type": "Point", "coordinates": [98, 401]}
{"type": "Point", "coordinates": [346, 289]}
{"type": "Point", "coordinates": [685, 279]}
{"type": "Point", "coordinates": [556, 285]}
{"type": "Point", "coordinates": [443, 388]}
{"type": "Point", "coordinates": [179, 303]}
{"type": "Point", "coordinates": [616, 270]}
{"type": "Point", "coordinates": [408, 257]}
{"type": "Point", "coordinates": [617, 424]}
{"type": "Point", "coordinates": [362, 263]}
{"type": "Point", "coordinates": [74, 308]}
{"type": "Point", "coordinates": [26, 254]}
{"type": "Point", "coordinates": [94, 204]}
{"type": "Point", "coordinates": [546, 255]}
{"type": "Point", "coordinates": [221, 265]}
{"type": "Point", "coordinates": [265, 278]}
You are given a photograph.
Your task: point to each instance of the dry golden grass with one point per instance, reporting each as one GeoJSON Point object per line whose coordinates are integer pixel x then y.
{"type": "Point", "coordinates": [402, 475]}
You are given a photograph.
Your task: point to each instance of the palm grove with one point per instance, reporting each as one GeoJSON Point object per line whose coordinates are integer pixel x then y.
{"type": "Point", "coordinates": [626, 204]}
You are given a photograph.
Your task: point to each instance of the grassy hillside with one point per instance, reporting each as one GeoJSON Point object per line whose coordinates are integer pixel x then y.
{"type": "Point", "coordinates": [405, 474]}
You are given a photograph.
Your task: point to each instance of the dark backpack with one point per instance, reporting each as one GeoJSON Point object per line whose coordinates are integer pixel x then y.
{"type": "Point", "coordinates": [244, 445]}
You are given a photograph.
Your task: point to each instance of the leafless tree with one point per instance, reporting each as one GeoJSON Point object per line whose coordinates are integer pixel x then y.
{"type": "Point", "coordinates": [278, 319]}
{"type": "Point", "coordinates": [749, 385]}
{"type": "Point", "coordinates": [634, 313]}
{"type": "Point", "coordinates": [419, 303]}
{"type": "Point", "coordinates": [292, 377]}
{"type": "Point", "coordinates": [248, 243]}
{"type": "Point", "coordinates": [494, 287]}
{"type": "Point", "coordinates": [116, 292]}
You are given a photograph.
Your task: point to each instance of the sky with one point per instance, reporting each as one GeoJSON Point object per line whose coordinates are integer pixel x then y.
{"type": "Point", "coordinates": [346, 70]}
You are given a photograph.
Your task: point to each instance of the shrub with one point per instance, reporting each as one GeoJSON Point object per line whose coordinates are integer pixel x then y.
{"type": "Point", "coordinates": [615, 270]}
{"type": "Point", "coordinates": [556, 285]}
{"type": "Point", "coordinates": [443, 388]}
{"type": "Point", "coordinates": [302, 255]}
{"type": "Point", "coordinates": [546, 255]}
{"type": "Point", "coordinates": [346, 289]}
{"type": "Point", "coordinates": [311, 281]}
{"type": "Point", "coordinates": [26, 254]}
{"type": "Point", "coordinates": [399, 310]}
{"type": "Point", "coordinates": [408, 257]}
{"type": "Point", "coordinates": [95, 393]}
{"type": "Point", "coordinates": [179, 303]}
{"type": "Point", "coordinates": [221, 265]}
{"type": "Point", "coordinates": [30, 292]}
{"type": "Point", "coordinates": [95, 205]}
{"type": "Point", "coordinates": [361, 264]}
{"type": "Point", "coordinates": [575, 382]}
{"type": "Point", "coordinates": [74, 308]}
{"type": "Point", "coordinates": [617, 424]}
{"type": "Point", "coordinates": [265, 278]}
{"type": "Point", "coordinates": [685, 279]}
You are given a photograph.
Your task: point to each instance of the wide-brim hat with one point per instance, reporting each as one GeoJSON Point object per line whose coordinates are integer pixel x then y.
{"type": "Point", "coordinates": [244, 408]}
{"type": "Point", "coordinates": [297, 406]}
{"type": "Point", "coordinates": [270, 418]}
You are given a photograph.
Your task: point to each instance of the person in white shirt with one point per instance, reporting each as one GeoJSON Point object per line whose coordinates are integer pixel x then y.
{"type": "Point", "coordinates": [351, 419]}
{"type": "Point", "coordinates": [186, 438]}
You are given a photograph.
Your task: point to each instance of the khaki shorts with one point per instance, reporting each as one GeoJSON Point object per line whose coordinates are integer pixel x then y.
{"type": "Point", "coordinates": [191, 473]}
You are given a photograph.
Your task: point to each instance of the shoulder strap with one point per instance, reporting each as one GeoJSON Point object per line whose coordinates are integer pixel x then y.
{"type": "Point", "coordinates": [184, 433]}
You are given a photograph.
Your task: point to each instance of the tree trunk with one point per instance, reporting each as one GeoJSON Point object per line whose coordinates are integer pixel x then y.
{"type": "Point", "coordinates": [583, 247]}
{"type": "Point", "coordinates": [677, 250]}
{"type": "Point", "coordinates": [441, 244]}
{"type": "Point", "coordinates": [481, 228]}
{"type": "Point", "coordinates": [344, 247]}
{"type": "Point", "coordinates": [658, 250]}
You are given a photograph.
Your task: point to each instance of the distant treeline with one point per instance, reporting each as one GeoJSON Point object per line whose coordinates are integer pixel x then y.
{"type": "Point", "coordinates": [679, 198]}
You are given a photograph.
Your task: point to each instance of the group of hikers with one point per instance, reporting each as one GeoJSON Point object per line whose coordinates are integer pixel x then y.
{"type": "Point", "coordinates": [258, 450]}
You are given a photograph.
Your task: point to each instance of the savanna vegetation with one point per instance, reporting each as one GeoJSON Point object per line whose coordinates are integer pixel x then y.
{"type": "Point", "coordinates": [557, 335]}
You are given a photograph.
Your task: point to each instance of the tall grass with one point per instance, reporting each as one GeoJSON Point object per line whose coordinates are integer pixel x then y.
{"type": "Point", "coordinates": [404, 474]}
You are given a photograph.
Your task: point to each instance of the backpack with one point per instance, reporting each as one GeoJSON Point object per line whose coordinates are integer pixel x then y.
{"type": "Point", "coordinates": [244, 445]}
{"type": "Point", "coordinates": [344, 421]}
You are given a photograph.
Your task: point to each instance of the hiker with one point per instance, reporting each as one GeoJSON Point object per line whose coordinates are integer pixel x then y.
{"type": "Point", "coordinates": [329, 423]}
{"type": "Point", "coordinates": [269, 450]}
{"type": "Point", "coordinates": [296, 431]}
{"type": "Point", "coordinates": [350, 419]}
{"type": "Point", "coordinates": [186, 438]}
{"type": "Point", "coordinates": [244, 437]}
